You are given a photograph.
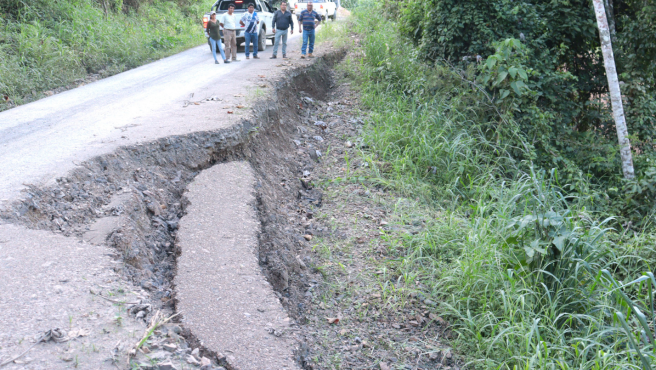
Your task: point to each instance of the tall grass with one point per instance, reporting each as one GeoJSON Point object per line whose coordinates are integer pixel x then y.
{"type": "Point", "coordinates": [52, 43]}
{"type": "Point", "coordinates": [527, 277]}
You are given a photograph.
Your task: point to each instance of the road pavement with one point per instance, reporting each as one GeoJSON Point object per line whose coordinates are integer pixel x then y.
{"type": "Point", "coordinates": [44, 140]}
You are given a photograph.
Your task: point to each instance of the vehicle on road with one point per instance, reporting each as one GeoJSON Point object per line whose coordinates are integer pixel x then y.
{"type": "Point", "coordinates": [264, 11]}
{"type": "Point", "coordinates": [325, 8]}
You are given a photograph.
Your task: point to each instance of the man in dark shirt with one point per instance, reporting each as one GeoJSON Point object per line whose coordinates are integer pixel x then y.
{"type": "Point", "coordinates": [307, 18]}
{"type": "Point", "coordinates": [282, 20]}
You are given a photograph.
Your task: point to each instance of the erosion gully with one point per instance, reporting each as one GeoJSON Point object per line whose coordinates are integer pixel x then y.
{"type": "Point", "coordinates": [140, 189]}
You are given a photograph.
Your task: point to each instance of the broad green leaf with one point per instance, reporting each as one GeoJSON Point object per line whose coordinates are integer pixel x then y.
{"type": "Point", "coordinates": [559, 242]}
{"type": "Point", "coordinates": [491, 61]}
{"type": "Point", "coordinates": [522, 74]}
{"type": "Point", "coordinates": [512, 71]}
{"type": "Point", "coordinates": [504, 93]}
{"type": "Point", "coordinates": [514, 87]}
{"type": "Point", "coordinates": [502, 76]}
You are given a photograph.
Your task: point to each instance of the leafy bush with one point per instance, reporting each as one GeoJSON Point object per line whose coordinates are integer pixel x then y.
{"type": "Point", "coordinates": [564, 109]}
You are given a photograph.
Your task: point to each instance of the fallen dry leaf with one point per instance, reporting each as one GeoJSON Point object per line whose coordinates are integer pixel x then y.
{"type": "Point", "coordinates": [196, 103]}
{"type": "Point", "coordinates": [343, 331]}
{"type": "Point", "coordinates": [230, 112]}
{"type": "Point", "coordinates": [434, 317]}
{"type": "Point", "coordinates": [241, 106]}
{"type": "Point", "coordinates": [333, 320]}
{"type": "Point", "coordinates": [263, 85]}
{"type": "Point", "coordinates": [239, 96]}
{"type": "Point", "coordinates": [261, 76]}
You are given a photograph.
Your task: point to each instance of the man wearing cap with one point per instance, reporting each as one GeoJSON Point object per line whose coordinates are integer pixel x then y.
{"type": "Point", "coordinates": [308, 17]}
{"type": "Point", "coordinates": [282, 20]}
{"type": "Point", "coordinates": [229, 24]}
{"type": "Point", "coordinates": [251, 21]}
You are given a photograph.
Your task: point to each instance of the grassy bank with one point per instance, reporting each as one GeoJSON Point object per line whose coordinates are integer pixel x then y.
{"type": "Point", "coordinates": [45, 45]}
{"type": "Point", "coordinates": [527, 275]}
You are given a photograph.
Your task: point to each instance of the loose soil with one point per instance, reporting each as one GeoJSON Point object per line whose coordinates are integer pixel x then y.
{"type": "Point", "coordinates": [323, 244]}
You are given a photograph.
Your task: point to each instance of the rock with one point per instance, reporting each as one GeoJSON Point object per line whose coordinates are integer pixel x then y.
{"type": "Point", "coordinates": [297, 142]}
{"type": "Point", "coordinates": [204, 361]}
{"type": "Point", "coordinates": [434, 356]}
{"type": "Point", "coordinates": [58, 289]}
{"type": "Point", "coordinates": [196, 354]}
{"type": "Point", "coordinates": [348, 144]}
{"type": "Point", "coordinates": [307, 237]}
{"type": "Point", "coordinates": [192, 360]}
{"type": "Point", "coordinates": [170, 347]}
{"type": "Point", "coordinates": [166, 365]}
{"type": "Point", "coordinates": [321, 124]}
{"type": "Point", "coordinates": [384, 366]}
{"type": "Point", "coordinates": [317, 138]}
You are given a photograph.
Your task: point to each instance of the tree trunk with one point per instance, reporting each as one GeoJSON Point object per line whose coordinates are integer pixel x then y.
{"type": "Point", "coordinates": [610, 13]}
{"type": "Point", "coordinates": [614, 90]}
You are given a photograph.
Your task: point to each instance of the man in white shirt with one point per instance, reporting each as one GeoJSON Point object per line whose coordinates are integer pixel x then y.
{"type": "Point", "coordinates": [229, 23]}
{"type": "Point", "coordinates": [251, 21]}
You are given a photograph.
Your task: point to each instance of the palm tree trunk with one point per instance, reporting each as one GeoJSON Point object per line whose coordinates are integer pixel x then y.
{"type": "Point", "coordinates": [614, 90]}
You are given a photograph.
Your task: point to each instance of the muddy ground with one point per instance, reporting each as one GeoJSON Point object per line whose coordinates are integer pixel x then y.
{"type": "Point", "coordinates": [322, 244]}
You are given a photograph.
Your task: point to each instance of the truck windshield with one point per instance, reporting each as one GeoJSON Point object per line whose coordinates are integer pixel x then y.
{"type": "Point", "coordinates": [239, 5]}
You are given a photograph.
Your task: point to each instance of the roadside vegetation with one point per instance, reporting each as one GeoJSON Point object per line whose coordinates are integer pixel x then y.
{"type": "Point", "coordinates": [49, 44]}
{"type": "Point", "coordinates": [537, 252]}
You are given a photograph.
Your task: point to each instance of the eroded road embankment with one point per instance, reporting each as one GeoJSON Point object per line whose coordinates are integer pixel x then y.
{"type": "Point", "coordinates": [137, 201]}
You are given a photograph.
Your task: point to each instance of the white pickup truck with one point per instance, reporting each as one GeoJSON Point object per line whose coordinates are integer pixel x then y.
{"type": "Point", "coordinates": [263, 9]}
{"type": "Point", "coordinates": [325, 8]}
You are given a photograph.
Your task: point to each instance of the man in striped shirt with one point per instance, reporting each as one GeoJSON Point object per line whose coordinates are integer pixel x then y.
{"type": "Point", "coordinates": [308, 17]}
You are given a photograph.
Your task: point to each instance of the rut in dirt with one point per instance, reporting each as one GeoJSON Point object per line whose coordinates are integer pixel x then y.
{"type": "Point", "coordinates": [133, 199]}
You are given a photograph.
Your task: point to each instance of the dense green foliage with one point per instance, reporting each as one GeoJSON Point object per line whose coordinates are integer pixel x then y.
{"type": "Point", "coordinates": [561, 105]}
{"type": "Point", "coordinates": [526, 268]}
{"type": "Point", "coordinates": [45, 44]}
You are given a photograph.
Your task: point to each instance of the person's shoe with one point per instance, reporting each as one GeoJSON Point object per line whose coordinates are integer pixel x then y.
{"type": "Point", "coordinates": [256, 57]}
{"type": "Point", "coordinates": [284, 56]}
{"type": "Point", "coordinates": [310, 55]}
{"type": "Point", "coordinates": [236, 60]}
{"type": "Point", "coordinates": [274, 57]}
{"type": "Point", "coordinates": [216, 62]}
{"type": "Point", "coordinates": [247, 57]}
{"type": "Point", "coordinates": [302, 56]}
{"type": "Point", "coordinates": [226, 61]}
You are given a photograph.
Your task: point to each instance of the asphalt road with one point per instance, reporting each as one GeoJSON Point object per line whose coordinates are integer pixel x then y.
{"type": "Point", "coordinates": [44, 140]}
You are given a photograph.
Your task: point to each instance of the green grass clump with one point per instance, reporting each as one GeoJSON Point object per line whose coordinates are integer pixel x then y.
{"type": "Point", "coordinates": [48, 44]}
{"type": "Point", "coordinates": [526, 274]}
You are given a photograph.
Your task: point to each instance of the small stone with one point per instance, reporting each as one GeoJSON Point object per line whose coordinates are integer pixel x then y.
{"type": "Point", "coordinates": [166, 365]}
{"type": "Point", "coordinates": [433, 356]}
{"type": "Point", "coordinates": [205, 362]}
{"type": "Point", "coordinates": [384, 366]}
{"type": "Point", "coordinates": [307, 237]}
{"type": "Point", "coordinates": [196, 354]}
{"type": "Point", "coordinates": [192, 360]}
{"type": "Point", "coordinates": [58, 289]}
{"type": "Point", "coordinates": [170, 347]}
{"type": "Point", "coordinates": [318, 138]}
{"type": "Point", "coordinates": [67, 358]}
{"type": "Point", "coordinates": [349, 144]}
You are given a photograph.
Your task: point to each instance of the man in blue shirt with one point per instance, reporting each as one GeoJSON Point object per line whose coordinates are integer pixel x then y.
{"type": "Point", "coordinates": [251, 21]}
{"type": "Point", "coordinates": [307, 18]}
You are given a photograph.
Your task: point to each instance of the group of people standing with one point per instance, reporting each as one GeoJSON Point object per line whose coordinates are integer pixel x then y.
{"type": "Point", "coordinates": [282, 22]}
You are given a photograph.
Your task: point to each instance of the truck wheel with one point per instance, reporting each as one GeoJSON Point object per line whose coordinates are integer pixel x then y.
{"type": "Point", "coordinates": [261, 40]}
